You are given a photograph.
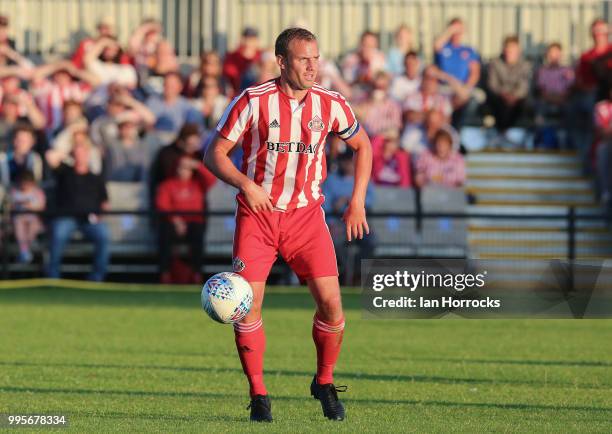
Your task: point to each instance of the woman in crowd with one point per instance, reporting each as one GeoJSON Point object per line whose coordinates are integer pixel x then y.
{"type": "Point", "coordinates": [391, 164]}
{"type": "Point", "coordinates": [443, 166]}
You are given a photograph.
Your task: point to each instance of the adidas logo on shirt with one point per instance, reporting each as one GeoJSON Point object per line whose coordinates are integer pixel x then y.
{"type": "Point", "coordinates": [274, 124]}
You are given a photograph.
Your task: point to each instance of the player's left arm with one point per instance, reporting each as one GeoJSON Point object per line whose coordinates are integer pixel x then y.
{"type": "Point", "coordinates": [355, 216]}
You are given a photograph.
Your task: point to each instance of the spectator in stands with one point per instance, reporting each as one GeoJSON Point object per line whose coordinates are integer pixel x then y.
{"type": "Point", "coordinates": [104, 60]}
{"type": "Point", "coordinates": [187, 143]}
{"type": "Point", "coordinates": [152, 54]}
{"type": "Point", "coordinates": [554, 80]}
{"type": "Point", "coordinates": [391, 164]}
{"type": "Point", "coordinates": [210, 66]}
{"type": "Point", "coordinates": [238, 67]}
{"type": "Point", "coordinates": [172, 110]}
{"type": "Point", "coordinates": [335, 147]}
{"type": "Point", "coordinates": [5, 40]}
{"type": "Point", "coordinates": [428, 98]}
{"type": "Point", "coordinates": [183, 192]}
{"type": "Point", "coordinates": [105, 128]}
{"type": "Point", "coordinates": [211, 103]}
{"type": "Point", "coordinates": [66, 82]}
{"type": "Point", "coordinates": [590, 76]}
{"type": "Point", "coordinates": [75, 132]}
{"type": "Point", "coordinates": [443, 165]}
{"type": "Point", "coordinates": [338, 189]}
{"type": "Point", "coordinates": [603, 148]}
{"type": "Point", "coordinates": [417, 138]}
{"type": "Point", "coordinates": [460, 61]}
{"type": "Point", "coordinates": [17, 110]}
{"type": "Point", "coordinates": [397, 53]}
{"type": "Point", "coordinates": [329, 76]}
{"type": "Point", "coordinates": [21, 157]}
{"type": "Point", "coordinates": [105, 29]}
{"type": "Point", "coordinates": [10, 85]}
{"type": "Point", "coordinates": [553, 84]}
{"type": "Point", "coordinates": [72, 113]}
{"type": "Point", "coordinates": [26, 195]}
{"type": "Point", "coordinates": [80, 197]}
{"type": "Point", "coordinates": [127, 157]}
{"type": "Point", "coordinates": [9, 57]}
{"type": "Point", "coordinates": [360, 66]}
{"type": "Point", "coordinates": [380, 112]}
{"type": "Point", "coordinates": [267, 67]}
{"type": "Point", "coordinates": [409, 81]}
{"type": "Point", "coordinates": [508, 84]}
{"type": "Point", "coordinates": [587, 77]}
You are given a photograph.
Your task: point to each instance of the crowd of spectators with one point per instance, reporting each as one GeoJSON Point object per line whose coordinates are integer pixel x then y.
{"type": "Point", "coordinates": [131, 113]}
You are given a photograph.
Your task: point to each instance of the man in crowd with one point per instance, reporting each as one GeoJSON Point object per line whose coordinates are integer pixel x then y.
{"type": "Point", "coordinates": [238, 64]}
{"type": "Point", "coordinates": [171, 109]}
{"type": "Point", "coordinates": [360, 66]}
{"type": "Point", "coordinates": [459, 61]}
{"type": "Point", "coordinates": [80, 197]}
{"type": "Point", "coordinates": [508, 84]}
{"type": "Point", "coordinates": [409, 81]}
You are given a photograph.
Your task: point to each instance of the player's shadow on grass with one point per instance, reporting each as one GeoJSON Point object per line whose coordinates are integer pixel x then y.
{"type": "Point", "coordinates": [291, 373]}
{"type": "Point", "coordinates": [575, 363]}
{"type": "Point", "coordinates": [365, 401]}
{"type": "Point", "coordinates": [156, 416]}
{"type": "Point", "coordinates": [296, 298]}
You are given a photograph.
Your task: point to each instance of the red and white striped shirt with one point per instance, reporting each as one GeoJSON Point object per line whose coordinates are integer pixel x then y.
{"type": "Point", "coordinates": [284, 139]}
{"type": "Point", "coordinates": [50, 98]}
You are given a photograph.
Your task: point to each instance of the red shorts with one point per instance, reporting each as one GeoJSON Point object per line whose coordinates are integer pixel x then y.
{"type": "Point", "coordinates": [300, 235]}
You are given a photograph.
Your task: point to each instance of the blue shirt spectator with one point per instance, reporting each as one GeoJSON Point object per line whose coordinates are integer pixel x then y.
{"type": "Point", "coordinates": [456, 60]}
{"type": "Point", "coordinates": [171, 110]}
{"type": "Point", "coordinates": [172, 116]}
{"type": "Point", "coordinates": [397, 53]}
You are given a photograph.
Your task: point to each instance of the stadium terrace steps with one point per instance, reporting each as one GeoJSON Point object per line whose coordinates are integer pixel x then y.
{"type": "Point", "coordinates": [526, 157]}
{"type": "Point", "coordinates": [520, 169]}
{"type": "Point", "coordinates": [541, 183]}
{"type": "Point", "coordinates": [529, 184]}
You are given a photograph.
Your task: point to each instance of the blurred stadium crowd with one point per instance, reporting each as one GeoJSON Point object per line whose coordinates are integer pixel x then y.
{"type": "Point", "coordinates": [132, 113]}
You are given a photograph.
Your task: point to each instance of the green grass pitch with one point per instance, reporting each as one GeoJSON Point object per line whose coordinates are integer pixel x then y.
{"type": "Point", "coordinates": [129, 359]}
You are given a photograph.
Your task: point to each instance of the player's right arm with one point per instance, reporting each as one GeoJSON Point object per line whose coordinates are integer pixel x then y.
{"type": "Point", "coordinates": [236, 120]}
{"type": "Point", "coordinates": [218, 162]}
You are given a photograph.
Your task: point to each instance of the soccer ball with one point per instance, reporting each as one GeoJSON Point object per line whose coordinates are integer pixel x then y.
{"type": "Point", "coordinates": [227, 297]}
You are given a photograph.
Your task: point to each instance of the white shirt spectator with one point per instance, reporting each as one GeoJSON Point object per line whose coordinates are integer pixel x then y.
{"type": "Point", "coordinates": [419, 102]}
{"type": "Point", "coordinates": [124, 75]}
{"type": "Point", "coordinates": [50, 97]}
{"type": "Point", "coordinates": [402, 87]}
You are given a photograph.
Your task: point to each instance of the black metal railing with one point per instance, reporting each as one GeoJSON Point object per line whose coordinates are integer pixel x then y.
{"type": "Point", "coordinates": [570, 217]}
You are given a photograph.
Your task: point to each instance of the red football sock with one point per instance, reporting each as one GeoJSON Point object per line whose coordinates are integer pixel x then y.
{"type": "Point", "coordinates": [328, 340]}
{"type": "Point", "coordinates": [251, 346]}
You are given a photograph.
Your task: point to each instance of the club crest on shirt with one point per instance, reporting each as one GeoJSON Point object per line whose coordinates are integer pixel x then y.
{"type": "Point", "coordinates": [238, 265]}
{"type": "Point", "coordinates": [316, 124]}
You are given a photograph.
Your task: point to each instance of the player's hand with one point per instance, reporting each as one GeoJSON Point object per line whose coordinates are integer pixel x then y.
{"type": "Point", "coordinates": [355, 219]}
{"type": "Point", "coordinates": [257, 198]}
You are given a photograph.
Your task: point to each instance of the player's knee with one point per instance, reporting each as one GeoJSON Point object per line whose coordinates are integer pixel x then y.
{"type": "Point", "coordinates": [330, 309]}
{"type": "Point", "coordinates": [251, 317]}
